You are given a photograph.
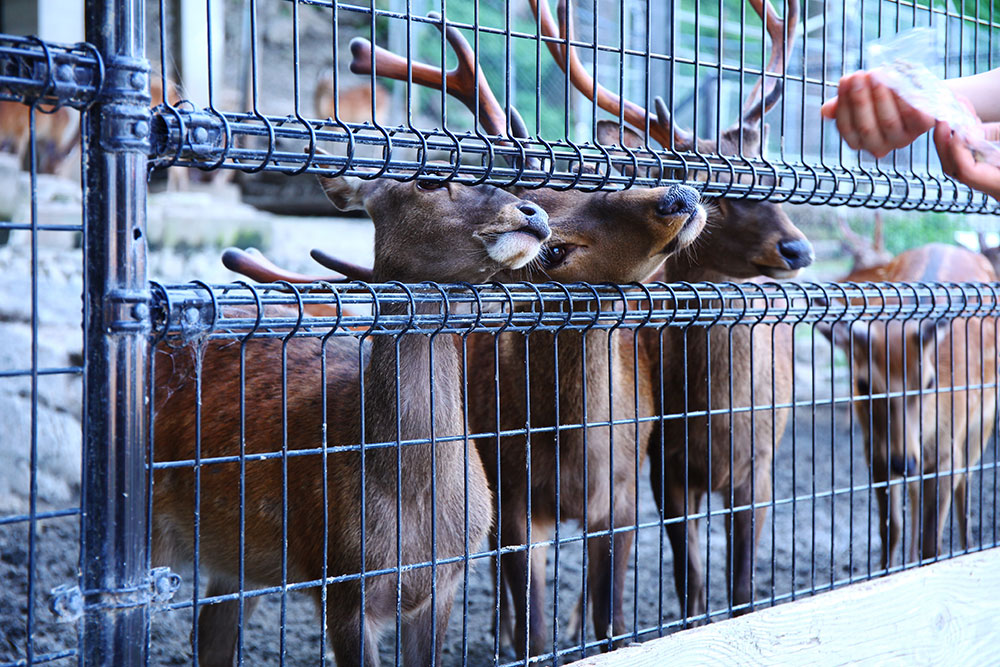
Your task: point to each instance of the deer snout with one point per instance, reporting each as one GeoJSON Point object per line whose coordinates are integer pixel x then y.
{"type": "Point", "coordinates": [900, 465]}
{"type": "Point", "coordinates": [537, 220]}
{"type": "Point", "coordinates": [678, 200]}
{"type": "Point", "coordinates": [797, 253]}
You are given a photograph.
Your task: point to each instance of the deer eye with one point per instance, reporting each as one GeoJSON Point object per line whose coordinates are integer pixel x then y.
{"type": "Point", "coordinates": [553, 256]}
{"type": "Point", "coordinates": [929, 383]}
{"type": "Point", "coordinates": [863, 388]}
{"type": "Point", "coordinates": [430, 185]}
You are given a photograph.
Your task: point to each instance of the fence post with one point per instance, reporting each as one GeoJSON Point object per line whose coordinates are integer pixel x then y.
{"type": "Point", "coordinates": [113, 556]}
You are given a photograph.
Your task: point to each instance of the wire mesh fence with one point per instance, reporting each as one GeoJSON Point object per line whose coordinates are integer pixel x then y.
{"type": "Point", "coordinates": [444, 459]}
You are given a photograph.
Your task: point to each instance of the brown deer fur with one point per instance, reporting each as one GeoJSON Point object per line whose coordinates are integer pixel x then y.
{"type": "Point", "coordinates": [955, 423]}
{"type": "Point", "coordinates": [485, 230]}
{"type": "Point", "coordinates": [605, 236]}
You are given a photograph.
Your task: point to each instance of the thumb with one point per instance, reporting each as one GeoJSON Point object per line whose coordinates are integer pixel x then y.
{"type": "Point", "coordinates": [829, 109]}
{"type": "Point", "coordinates": [992, 131]}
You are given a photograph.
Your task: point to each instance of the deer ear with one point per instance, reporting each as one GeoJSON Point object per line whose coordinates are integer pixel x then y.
{"type": "Point", "coordinates": [607, 135]}
{"type": "Point", "coordinates": [344, 191]}
{"type": "Point", "coordinates": [839, 334]}
{"type": "Point", "coordinates": [931, 331]}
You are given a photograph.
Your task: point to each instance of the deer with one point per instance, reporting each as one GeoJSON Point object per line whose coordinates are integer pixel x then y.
{"type": "Point", "coordinates": [56, 133]}
{"type": "Point", "coordinates": [618, 236]}
{"type": "Point", "coordinates": [866, 255]}
{"type": "Point", "coordinates": [992, 253]}
{"type": "Point", "coordinates": [779, 243]}
{"type": "Point", "coordinates": [924, 392]}
{"type": "Point", "coordinates": [353, 104]}
{"type": "Point", "coordinates": [743, 240]}
{"type": "Point", "coordinates": [486, 230]}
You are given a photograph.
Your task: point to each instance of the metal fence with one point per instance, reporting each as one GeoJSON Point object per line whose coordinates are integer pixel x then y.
{"type": "Point", "coordinates": [456, 469]}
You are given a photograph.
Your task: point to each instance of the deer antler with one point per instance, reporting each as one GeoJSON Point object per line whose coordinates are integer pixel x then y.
{"type": "Point", "coordinates": [252, 264]}
{"type": "Point", "coordinates": [864, 253]}
{"type": "Point", "coordinates": [352, 271]}
{"type": "Point", "coordinates": [660, 125]}
{"type": "Point", "coordinates": [782, 33]}
{"type": "Point", "coordinates": [463, 82]}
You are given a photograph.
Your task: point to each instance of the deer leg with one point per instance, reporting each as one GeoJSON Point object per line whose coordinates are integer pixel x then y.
{"type": "Point", "coordinates": [961, 511]}
{"type": "Point", "coordinates": [741, 547]}
{"type": "Point", "coordinates": [937, 501]}
{"type": "Point", "coordinates": [655, 452]}
{"type": "Point", "coordinates": [606, 574]}
{"type": "Point", "coordinates": [421, 646]}
{"type": "Point", "coordinates": [890, 514]}
{"type": "Point", "coordinates": [683, 535]}
{"type": "Point", "coordinates": [515, 568]}
{"type": "Point", "coordinates": [345, 641]}
{"type": "Point", "coordinates": [218, 623]}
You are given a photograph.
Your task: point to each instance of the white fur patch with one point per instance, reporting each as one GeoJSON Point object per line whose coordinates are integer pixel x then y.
{"type": "Point", "coordinates": [514, 249]}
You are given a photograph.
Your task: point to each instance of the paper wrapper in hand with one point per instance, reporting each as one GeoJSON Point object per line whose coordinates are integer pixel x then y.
{"type": "Point", "coordinates": [903, 63]}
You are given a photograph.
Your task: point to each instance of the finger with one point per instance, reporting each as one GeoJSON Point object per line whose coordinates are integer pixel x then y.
{"type": "Point", "coordinates": [992, 131]}
{"type": "Point", "coordinates": [942, 140]}
{"type": "Point", "coordinates": [829, 108]}
{"type": "Point", "coordinates": [866, 123]}
{"type": "Point", "coordinates": [845, 120]}
{"type": "Point", "coordinates": [888, 117]}
{"type": "Point", "coordinates": [915, 121]}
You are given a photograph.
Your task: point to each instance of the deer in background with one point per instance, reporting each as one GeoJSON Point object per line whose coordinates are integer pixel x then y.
{"type": "Point", "coordinates": [992, 253]}
{"type": "Point", "coordinates": [941, 411]}
{"type": "Point", "coordinates": [486, 230]}
{"type": "Point", "coordinates": [866, 256]}
{"type": "Point", "coordinates": [352, 104]}
{"type": "Point", "coordinates": [743, 240]}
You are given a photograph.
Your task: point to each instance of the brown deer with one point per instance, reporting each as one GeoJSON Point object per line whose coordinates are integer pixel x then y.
{"type": "Point", "coordinates": [743, 240]}
{"type": "Point", "coordinates": [923, 396]}
{"type": "Point", "coordinates": [992, 253]}
{"type": "Point", "coordinates": [865, 254]}
{"type": "Point", "coordinates": [618, 237]}
{"type": "Point", "coordinates": [56, 133]}
{"type": "Point", "coordinates": [275, 533]}
{"type": "Point", "coordinates": [353, 104]}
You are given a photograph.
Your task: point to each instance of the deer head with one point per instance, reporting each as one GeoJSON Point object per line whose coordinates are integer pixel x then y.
{"type": "Point", "coordinates": [466, 233]}
{"type": "Point", "coordinates": [867, 255]}
{"type": "Point", "coordinates": [777, 248]}
{"type": "Point", "coordinates": [618, 236]}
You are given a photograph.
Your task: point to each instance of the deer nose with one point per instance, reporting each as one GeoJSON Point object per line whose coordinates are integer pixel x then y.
{"type": "Point", "coordinates": [797, 254]}
{"type": "Point", "coordinates": [537, 220]}
{"type": "Point", "coordinates": [906, 466]}
{"type": "Point", "coordinates": [678, 200]}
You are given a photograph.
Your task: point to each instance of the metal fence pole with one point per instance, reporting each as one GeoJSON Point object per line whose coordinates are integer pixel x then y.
{"type": "Point", "coordinates": [113, 558]}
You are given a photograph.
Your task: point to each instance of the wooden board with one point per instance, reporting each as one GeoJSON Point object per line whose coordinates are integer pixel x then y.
{"type": "Point", "coordinates": [947, 613]}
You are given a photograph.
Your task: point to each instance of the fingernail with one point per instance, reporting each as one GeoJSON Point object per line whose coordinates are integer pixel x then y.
{"type": "Point", "coordinates": [858, 84]}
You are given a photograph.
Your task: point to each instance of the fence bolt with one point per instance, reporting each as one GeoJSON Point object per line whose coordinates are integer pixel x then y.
{"type": "Point", "coordinates": [164, 583]}
{"type": "Point", "coordinates": [140, 129]}
{"type": "Point", "coordinates": [66, 603]}
{"type": "Point", "coordinates": [64, 72]}
{"type": "Point", "coordinates": [140, 311]}
{"type": "Point", "coordinates": [138, 80]}
{"type": "Point", "coordinates": [199, 135]}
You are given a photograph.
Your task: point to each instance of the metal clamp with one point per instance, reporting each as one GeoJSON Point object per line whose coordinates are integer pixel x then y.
{"type": "Point", "coordinates": [188, 134]}
{"type": "Point", "coordinates": [127, 312]}
{"type": "Point", "coordinates": [125, 124]}
{"type": "Point", "coordinates": [67, 601]}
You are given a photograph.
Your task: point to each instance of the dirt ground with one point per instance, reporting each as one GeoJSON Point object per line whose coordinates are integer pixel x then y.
{"type": "Point", "coordinates": [808, 545]}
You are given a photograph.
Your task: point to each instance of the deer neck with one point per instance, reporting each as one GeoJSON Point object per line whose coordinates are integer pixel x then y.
{"type": "Point", "coordinates": [685, 266]}
{"type": "Point", "coordinates": [424, 369]}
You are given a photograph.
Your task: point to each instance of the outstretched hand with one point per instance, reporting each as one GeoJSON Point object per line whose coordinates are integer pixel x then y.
{"type": "Point", "coordinates": [958, 162]}
{"type": "Point", "coordinates": [871, 117]}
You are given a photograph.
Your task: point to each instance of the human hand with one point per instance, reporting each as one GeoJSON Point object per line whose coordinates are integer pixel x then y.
{"type": "Point", "coordinates": [872, 117]}
{"type": "Point", "coordinates": [958, 162]}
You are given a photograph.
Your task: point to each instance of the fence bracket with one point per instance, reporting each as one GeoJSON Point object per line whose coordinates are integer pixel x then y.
{"type": "Point", "coordinates": [126, 122]}
{"type": "Point", "coordinates": [127, 312]}
{"type": "Point", "coordinates": [185, 133]}
{"type": "Point", "coordinates": [67, 602]}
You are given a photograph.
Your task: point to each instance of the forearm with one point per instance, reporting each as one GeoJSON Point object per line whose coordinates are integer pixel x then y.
{"type": "Point", "coordinates": [983, 91]}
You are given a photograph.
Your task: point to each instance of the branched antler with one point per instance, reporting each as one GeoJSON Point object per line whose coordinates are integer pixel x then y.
{"type": "Point", "coordinates": [466, 82]}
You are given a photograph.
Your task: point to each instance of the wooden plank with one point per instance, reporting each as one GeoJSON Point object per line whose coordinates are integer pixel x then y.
{"type": "Point", "coordinates": [947, 613]}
